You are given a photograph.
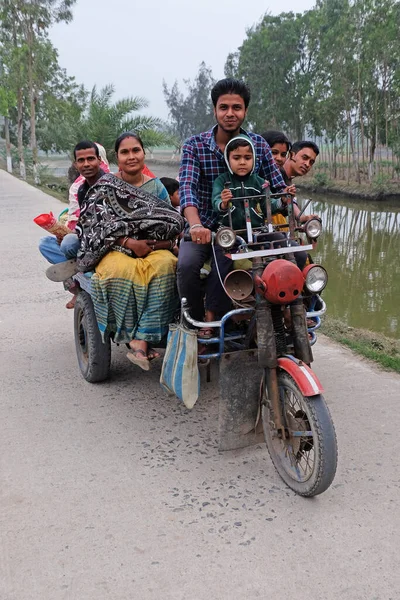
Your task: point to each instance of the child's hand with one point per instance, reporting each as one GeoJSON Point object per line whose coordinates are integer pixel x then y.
{"type": "Point", "coordinates": [291, 189]}
{"type": "Point", "coordinates": [226, 196]}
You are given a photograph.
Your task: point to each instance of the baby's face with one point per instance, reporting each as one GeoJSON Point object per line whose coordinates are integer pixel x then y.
{"type": "Point", "coordinates": [241, 161]}
{"type": "Point", "coordinates": [175, 199]}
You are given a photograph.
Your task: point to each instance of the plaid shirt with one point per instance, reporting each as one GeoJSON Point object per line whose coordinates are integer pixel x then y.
{"type": "Point", "coordinates": [202, 162]}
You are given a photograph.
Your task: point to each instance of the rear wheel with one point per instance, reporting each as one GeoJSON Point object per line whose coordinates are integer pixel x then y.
{"type": "Point", "coordinates": [94, 355]}
{"type": "Point", "coordinates": [307, 459]}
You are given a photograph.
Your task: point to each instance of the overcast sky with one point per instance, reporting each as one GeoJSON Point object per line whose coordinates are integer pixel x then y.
{"type": "Point", "coordinates": [135, 45]}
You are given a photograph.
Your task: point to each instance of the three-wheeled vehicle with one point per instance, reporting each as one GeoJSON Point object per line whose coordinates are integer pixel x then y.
{"type": "Point", "coordinates": [268, 390]}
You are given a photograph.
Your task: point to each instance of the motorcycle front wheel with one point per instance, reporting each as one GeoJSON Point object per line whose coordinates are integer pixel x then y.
{"type": "Point", "coordinates": [307, 459]}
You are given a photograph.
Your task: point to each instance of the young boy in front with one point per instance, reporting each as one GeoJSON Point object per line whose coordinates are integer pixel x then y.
{"type": "Point", "coordinates": [239, 181]}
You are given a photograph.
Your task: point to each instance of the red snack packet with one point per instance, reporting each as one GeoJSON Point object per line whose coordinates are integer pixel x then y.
{"type": "Point", "coordinates": [49, 222]}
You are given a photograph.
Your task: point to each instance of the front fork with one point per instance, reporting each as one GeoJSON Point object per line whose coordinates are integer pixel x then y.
{"type": "Point", "coordinates": [267, 356]}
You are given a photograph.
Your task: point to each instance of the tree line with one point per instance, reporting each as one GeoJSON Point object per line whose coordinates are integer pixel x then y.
{"type": "Point", "coordinates": [331, 74]}
{"type": "Point", "coordinates": [43, 107]}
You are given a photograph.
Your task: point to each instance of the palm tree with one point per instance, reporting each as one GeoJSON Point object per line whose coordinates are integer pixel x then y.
{"type": "Point", "coordinates": [103, 121]}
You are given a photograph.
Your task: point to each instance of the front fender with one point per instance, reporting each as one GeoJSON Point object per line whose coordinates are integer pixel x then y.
{"type": "Point", "coordinates": [303, 376]}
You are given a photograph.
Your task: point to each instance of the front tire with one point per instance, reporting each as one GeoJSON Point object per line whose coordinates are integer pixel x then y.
{"type": "Point", "coordinates": [307, 459]}
{"type": "Point", "coordinates": [94, 355]}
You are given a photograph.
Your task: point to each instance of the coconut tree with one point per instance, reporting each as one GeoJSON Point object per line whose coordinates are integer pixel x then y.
{"type": "Point", "coordinates": [104, 120]}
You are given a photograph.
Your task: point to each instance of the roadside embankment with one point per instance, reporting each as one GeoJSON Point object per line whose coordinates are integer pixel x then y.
{"type": "Point", "coordinates": [375, 346]}
{"type": "Point", "coordinates": [363, 191]}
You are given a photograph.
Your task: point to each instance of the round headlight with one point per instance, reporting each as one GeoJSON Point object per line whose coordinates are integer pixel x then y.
{"type": "Point", "coordinates": [313, 228]}
{"type": "Point", "coordinates": [316, 278]}
{"type": "Point", "coordinates": [225, 237]}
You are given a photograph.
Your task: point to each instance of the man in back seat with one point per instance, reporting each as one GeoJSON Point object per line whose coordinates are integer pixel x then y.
{"type": "Point", "coordinates": [87, 160]}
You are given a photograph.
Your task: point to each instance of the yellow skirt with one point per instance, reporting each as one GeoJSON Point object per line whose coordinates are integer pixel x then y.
{"type": "Point", "coordinates": [135, 298]}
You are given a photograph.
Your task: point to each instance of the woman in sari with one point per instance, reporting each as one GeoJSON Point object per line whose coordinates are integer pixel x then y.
{"type": "Point", "coordinates": [128, 230]}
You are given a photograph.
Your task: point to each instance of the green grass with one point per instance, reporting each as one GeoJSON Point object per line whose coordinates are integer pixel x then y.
{"type": "Point", "coordinates": [51, 192]}
{"type": "Point", "coordinates": [374, 346]}
{"type": "Point", "coordinates": [60, 191]}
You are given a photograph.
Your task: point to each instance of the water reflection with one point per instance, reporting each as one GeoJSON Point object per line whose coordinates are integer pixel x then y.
{"type": "Point", "coordinates": [360, 248]}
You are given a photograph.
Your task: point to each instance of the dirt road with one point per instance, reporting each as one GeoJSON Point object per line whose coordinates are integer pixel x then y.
{"type": "Point", "coordinates": [114, 491]}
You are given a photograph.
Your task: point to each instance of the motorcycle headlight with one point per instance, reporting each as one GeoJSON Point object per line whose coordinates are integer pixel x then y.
{"type": "Point", "coordinates": [313, 228]}
{"type": "Point", "coordinates": [225, 237]}
{"type": "Point", "coordinates": [316, 278]}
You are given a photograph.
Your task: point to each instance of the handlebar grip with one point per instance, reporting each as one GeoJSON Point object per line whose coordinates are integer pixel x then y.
{"type": "Point", "coordinates": [187, 237]}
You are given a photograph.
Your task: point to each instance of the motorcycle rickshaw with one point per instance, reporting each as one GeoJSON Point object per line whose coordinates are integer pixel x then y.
{"type": "Point", "coordinates": [268, 391]}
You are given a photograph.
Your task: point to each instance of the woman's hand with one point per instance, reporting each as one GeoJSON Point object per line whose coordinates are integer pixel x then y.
{"type": "Point", "coordinates": [141, 248]}
{"type": "Point", "coordinates": [160, 244]}
{"type": "Point", "coordinates": [226, 196]}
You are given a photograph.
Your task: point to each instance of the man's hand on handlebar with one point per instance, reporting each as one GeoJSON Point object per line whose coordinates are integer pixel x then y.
{"type": "Point", "coordinates": [197, 233]}
{"type": "Point", "coordinates": [200, 235]}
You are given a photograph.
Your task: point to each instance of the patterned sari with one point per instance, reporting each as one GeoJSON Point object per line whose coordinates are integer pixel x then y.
{"type": "Point", "coordinates": [134, 298]}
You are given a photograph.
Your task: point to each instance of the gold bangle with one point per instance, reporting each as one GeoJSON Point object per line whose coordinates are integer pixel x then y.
{"type": "Point", "coordinates": [126, 238]}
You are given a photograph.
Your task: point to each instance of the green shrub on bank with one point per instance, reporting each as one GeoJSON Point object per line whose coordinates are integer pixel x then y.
{"type": "Point", "coordinates": [321, 179]}
{"type": "Point", "coordinates": [375, 346]}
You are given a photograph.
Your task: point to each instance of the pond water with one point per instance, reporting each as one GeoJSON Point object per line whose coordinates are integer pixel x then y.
{"type": "Point", "coordinates": [360, 248]}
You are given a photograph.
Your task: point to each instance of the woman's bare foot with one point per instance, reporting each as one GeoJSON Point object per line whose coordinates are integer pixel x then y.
{"type": "Point", "coordinates": [139, 345]}
{"type": "Point", "coordinates": [71, 302]}
{"type": "Point", "coordinates": [207, 332]}
{"type": "Point", "coordinates": [152, 354]}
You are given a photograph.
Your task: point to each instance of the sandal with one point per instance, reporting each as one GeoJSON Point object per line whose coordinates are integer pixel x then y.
{"type": "Point", "coordinates": [62, 271]}
{"type": "Point", "coordinates": [206, 333]}
{"type": "Point", "coordinates": [143, 363]}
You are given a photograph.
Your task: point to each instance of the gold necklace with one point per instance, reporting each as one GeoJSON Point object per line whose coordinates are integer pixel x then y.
{"type": "Point", "coordinates": [123, 179]}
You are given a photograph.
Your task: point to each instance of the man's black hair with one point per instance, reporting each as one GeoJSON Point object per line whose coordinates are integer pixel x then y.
{"type": "Point", "coordinates": [86, 145]}
{"type": "Point", "coordinates": [297, 146]}
{"type": "Point", "coordinates": [241, 143]}
{"type": "Point", "coordinates": [273, 137]}
{"type": "Point", "coordinates": [230, 86]}
{"type": "Point", "coordinates": [171, 185]}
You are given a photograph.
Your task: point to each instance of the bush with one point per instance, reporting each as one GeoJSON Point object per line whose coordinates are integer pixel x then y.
{"type": "Point", "coordinates": [380, 182]}
{"type": "Point", "coordinates": [321, 179]}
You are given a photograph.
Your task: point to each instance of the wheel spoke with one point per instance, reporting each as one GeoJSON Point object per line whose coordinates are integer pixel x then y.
{"type": "Point", "coordinates": [298, 450]}
{"type": "Point", "coordinates": [306, 456]}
